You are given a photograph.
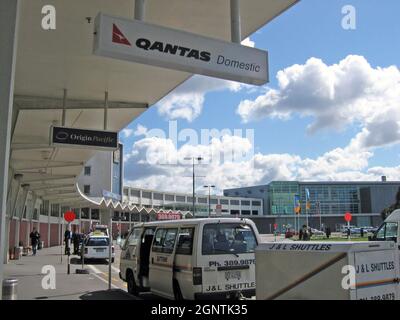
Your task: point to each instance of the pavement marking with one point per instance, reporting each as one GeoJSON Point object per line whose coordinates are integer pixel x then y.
{"type": "Point", "coordinates": [115, 269]}
{"type": "Point", "coordinates": [106, 281]}
{"type": "Point", "coordinates": [94, 269]}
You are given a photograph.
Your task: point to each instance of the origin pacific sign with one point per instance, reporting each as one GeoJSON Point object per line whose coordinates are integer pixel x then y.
{"type": "Point", "coordinates": [83, 138]}
{"type": "Point", "coordinates": [145, 43]}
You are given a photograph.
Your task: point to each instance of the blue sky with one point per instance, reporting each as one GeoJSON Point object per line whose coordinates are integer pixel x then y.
{"type": "Point", "coordinates": [312, 28]}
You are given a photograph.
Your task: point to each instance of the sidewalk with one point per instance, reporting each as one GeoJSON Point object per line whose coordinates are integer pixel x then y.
{"type": "Point", "coordinates": [28, 271]}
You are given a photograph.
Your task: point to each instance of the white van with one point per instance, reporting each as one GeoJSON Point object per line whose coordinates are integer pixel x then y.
{"type": "Point", "coordinates": [210, 258]}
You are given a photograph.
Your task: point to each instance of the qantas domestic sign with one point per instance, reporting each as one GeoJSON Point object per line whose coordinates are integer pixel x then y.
{"type": "Point", "coordinates": [140, 42]}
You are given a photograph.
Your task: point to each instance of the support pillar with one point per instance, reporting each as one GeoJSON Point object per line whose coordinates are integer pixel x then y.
{"type": "Point", "coordinates": [20, 213]}
{"type": "Point", "coordinates": [8, 38]}
{"type": "Point", "coordinates": [236, 34]}
{"type": "Point", "coordinates": [140, 9]}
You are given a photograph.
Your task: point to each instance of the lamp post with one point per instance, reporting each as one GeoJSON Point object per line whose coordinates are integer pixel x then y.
{"type": "Point", "coordinates": [194, 198]}
{"type": "Point", "coordinates": [209, 198]}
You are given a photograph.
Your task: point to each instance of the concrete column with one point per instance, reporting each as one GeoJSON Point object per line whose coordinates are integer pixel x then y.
{"type": "Point", "coordinates": [48, 224]}
{"type": "Point", "coordinates": [20, 213]}
{"type": "Point", "coordinates": [30, 209]}
{"type": "Point", "coordinates": [12, 199]}
{"type": "Point", "coordinates": [8, 39]}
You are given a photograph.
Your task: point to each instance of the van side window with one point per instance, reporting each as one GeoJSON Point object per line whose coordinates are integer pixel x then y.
{"type": "Point", "coordinates": [388, 231]}
{"type": "Point", "coordinates": [185, 241]}
{"type": "Point", "coordinates": [133, 238]}
{"type": "Point", "coordinates": [165, 240]}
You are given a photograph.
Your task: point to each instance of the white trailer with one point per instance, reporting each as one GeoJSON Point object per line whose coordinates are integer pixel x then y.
{"type": "Point", "coordinates": [327, 270]}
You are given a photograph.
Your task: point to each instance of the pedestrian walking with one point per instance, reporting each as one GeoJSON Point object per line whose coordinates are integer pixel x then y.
{"type": "Point", "coordinates": [328, 232]}
{"type": "Point", "coordinates": [67, 239]}
{"type": "Point", "coordinates": [35, 238]}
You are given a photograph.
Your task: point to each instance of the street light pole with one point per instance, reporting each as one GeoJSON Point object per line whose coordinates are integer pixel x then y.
{"type": "Point", "coordinates": [209, 198]}
{"type": "Point", "coordinates": [194, 183]}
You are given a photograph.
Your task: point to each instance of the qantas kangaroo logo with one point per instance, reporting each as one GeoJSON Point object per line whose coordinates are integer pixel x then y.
{"type": "Point", "coordinates": [118, 36]}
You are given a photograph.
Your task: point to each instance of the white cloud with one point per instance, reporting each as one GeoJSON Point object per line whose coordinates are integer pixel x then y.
{"type": "Point", "coordinates": [127, 132]}
{"type": "Point", "coordinates": [186, 101]}
{"type": "Point", "coordinates": [335, 96]}
{"type": "Point", "coordinates": [147, 167]}
{"type": "Point", "coordinates": [140, 130]}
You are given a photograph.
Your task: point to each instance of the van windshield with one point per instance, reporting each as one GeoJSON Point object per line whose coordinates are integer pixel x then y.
{"type": "Point", "coordinates": [223, 238]}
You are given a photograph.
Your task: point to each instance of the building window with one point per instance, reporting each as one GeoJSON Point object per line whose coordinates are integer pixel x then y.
{"type": "Point", "coordinates": [180, 199]}
{"type": "Point", "coordinates": [88, 170]}
{"type": "Point", "coordinates": [86, 189]}
{"type": "Point", "coordinates": [85, 213]}
{"type": "Point", "coordinates": [158, 196]}
{"type": "Point", "coordinates": [245, 202]}
{"type": "Point", "coordinates": [202, 200]}
{"type": "Point", "coordinates": [126, 191]}
{"type": "Point", "coordinates": [146, 195]}
{"type": "Point", "coordinates": [245, 212]}
{"type": "Point", "coordinates": [234, 202]}
{"type": "Point", "coordinates": [262, 190]}
{"type": "Point", "coordinates": [248, 191]}
{"type": "Point", "coordinates": [170, 197]}
{"type": "Point", "coordinates": [135, 193]}
{"type": "Point", "coordinates": [254, 212]}
{"type": "Point", "coordinates": [235, 212]}
{"type": "Point", "coordinates": [95, 214]}
{"type": "Point", "coordinates": [224, 201]}
{"type": "Point", "coordinates": [213, 201]}
{"type": "Point", "coordinates": [190, 199]}
{"type": "Point", "coordinates": [236, 193]}
{"type": "Point", "coordinates": [256, 203]}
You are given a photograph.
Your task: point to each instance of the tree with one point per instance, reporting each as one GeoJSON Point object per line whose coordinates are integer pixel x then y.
{"type": "Point", "coordinates": [388, 210]}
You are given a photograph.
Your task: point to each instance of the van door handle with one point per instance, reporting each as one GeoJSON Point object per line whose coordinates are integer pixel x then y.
{"type": "Point", "coordinates": [152, 260]}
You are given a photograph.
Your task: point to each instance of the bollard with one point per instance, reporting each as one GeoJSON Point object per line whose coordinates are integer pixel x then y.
{"type": "Point", "coordinates": [10, 289]}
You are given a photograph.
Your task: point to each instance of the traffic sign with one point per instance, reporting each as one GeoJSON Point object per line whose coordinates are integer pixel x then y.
{"type": "Point", "coordinates": [347, 216]}
{"type": "Point", "coordinates": [69, 216]}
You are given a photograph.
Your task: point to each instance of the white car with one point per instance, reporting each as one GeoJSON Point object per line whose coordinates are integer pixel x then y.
{"type": "Point", "coordinates": [317, 232]}
{"type": "Point", "coordinates": [96, 246]}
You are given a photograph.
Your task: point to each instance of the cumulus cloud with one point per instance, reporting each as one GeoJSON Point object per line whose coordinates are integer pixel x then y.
{"type": "Point", "coordinates": [335, 96]}
{"type": "Point", "coordinates": [140, 130]}
{"type": "Point", "coordinates": [157, 163]}
{"type": "Point", "coordinates": [186, 101]}
{"type": "Point", "coordinates": [127, 132]}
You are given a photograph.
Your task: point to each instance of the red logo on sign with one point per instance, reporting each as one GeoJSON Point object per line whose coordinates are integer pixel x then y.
{"type": "Point", "coordinates": [69, 216]}
{"type": "Point", "coordinates": [118, 36]}
{"type": "Point", "coordinates": [347, 216]}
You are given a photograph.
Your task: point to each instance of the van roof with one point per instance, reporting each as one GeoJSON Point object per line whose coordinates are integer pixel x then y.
{"type": "Point", "coordinates": [394, 216]}
{"type": "Point", "coordinates": [197, 221]}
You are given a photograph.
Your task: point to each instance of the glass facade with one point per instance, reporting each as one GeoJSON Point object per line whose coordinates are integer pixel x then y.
{"type": "Point", "coordinates": [281, 197]}
{"type": "Point", "coordinates": [324, 198]}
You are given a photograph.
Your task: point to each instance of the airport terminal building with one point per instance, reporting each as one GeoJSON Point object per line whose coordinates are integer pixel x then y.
{"type": "Point", "coordinates": [328, 200]}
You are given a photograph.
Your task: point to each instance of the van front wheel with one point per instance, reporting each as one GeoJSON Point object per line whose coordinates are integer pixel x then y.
{"type": "Point", "coordinates": [177, 291]}
{"type": "Point", "coordinates": [132, 288]}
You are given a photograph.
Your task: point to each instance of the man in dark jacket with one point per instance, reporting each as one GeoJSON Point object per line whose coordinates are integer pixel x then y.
{"type": "Point", "coordinates": [35, 238]}
{"type": "Point", "coordinates": [67, 240]}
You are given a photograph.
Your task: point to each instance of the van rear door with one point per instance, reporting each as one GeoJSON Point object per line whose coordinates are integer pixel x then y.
{"type": "Point", "coordinates": [162, 261]}
{"type": "Point", "coordinates": [228, 259]}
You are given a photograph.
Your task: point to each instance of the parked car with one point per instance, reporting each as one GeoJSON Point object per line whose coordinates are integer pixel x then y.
{"type": "Point", "coordinates": [97, 247]}
{"type": "Point", "coordinates": [317, 232]}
